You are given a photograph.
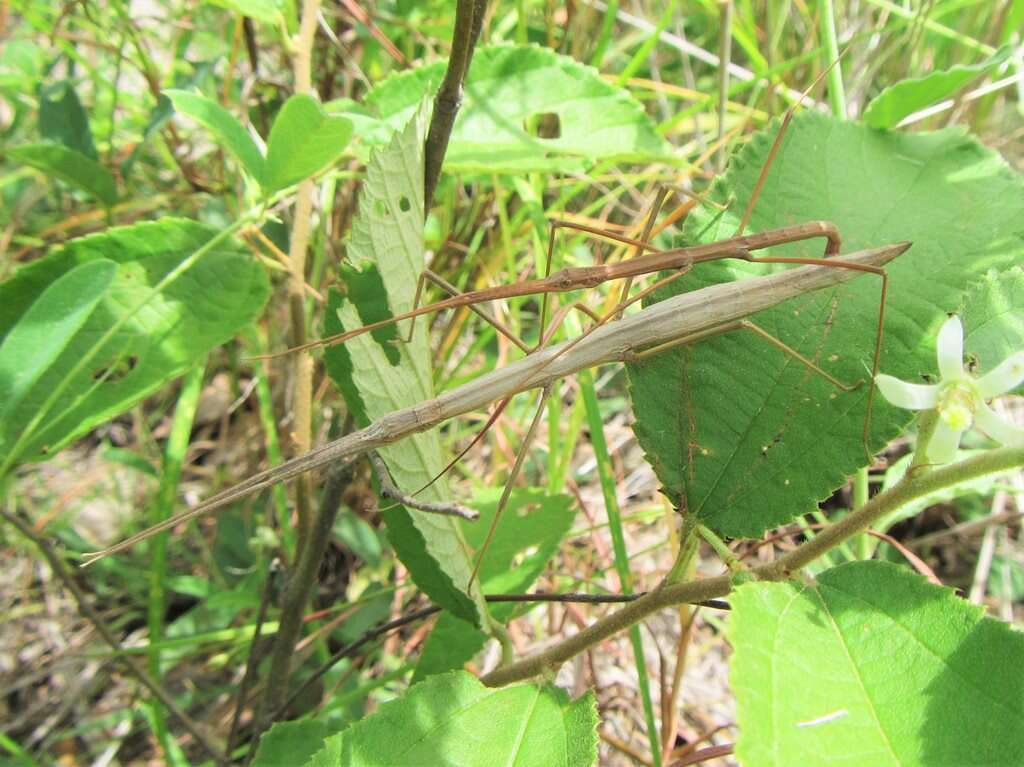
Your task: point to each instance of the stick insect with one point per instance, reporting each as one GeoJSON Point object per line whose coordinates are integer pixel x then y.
{"type": "Point", "coordinates": [686, 317]}
{"type": "Point", "coordinates": [679, 261]}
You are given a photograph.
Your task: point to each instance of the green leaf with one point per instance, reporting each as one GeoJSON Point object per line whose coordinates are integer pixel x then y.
{"type": "Point", "coordinates": [69, 166]}
{"type": "Point", "coordinates": [45, 330]}
{"type": "Point", "coordinates": [452, 719]}
{"type": "Point", "coordinates": [509, 92]}
{"type": "Point", "coordinates": [897, 101]}
{"type": "Point", "coordinates": [223, 291]}
{"type": "Point", "coordinates": [745, 435]}
{"type": "Point", "coordinates": [359, 537]}
{"type": "Point", "coordinates": [303, 141]}
{"type": "Point", "coordinates": [526, 538]}
{"type": "Point", "coordinates": [452, 643]}
{"type": "Point", "coordinates": [264, 11]}
{"type": "Point", "coordinates": [376, 374]}
{"type": "Point", "coordinates": [992, 319]}
{"type": "Point", "coordinates": [287, 744]}
{"type": "Point", "coordinates": [227, 130]}
{"type": "Point", "coordinates": [873, 665]}
{"type": "Point", "coordinates": [63, 120]}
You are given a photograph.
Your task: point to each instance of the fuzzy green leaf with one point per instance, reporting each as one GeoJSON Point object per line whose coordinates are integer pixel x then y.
{"type": "Point", "coordinates": [71, 167]}
{"type": "Point", "coordinates": [303, 141]}
{"type": "Point", "coordinates": [452, 719]}
{"type": "Point", "coordinates": [993, 320]}
{"type": "Point", "coordinates": [203, 307]}
{"type": "Point", "coordinates": [745, 435]}
{"type": "Point", "coordinates": [514, 97]}
{"type": "Point", "coordinates": [906, 97]}
{"type": "Point", "coordinates": [227, 130]}
{"type": "Point", "coordinates": [377, 373]}
{"type": "Point", "coordinates": [873, 665]}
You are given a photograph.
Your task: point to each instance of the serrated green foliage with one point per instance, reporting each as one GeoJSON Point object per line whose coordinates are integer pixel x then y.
{"type": "Point", "coordinates": [203, 307]}
{"type": "Point", "coordinates": [527, 537]}
{"type": "Point", "coordinates": [873, 665]}
{"type": "Point", "coordinates": [387, 238]}
{"type": "Point", "coordinates": [993, 319]}
{"type": "Point", "coordinates": [63, 120]}
{"type": "Point", "coordinates": [508, 90]}
{"type": "Point", "coordinates": [452, 719]}
{"type": "Point", "coordinates": [43, 332]}
{"type": "Point", "coordinates": [900, 100]}
{"type": "Point", "coordinates": [303, 141]}
{"type": "Point", "coordinates": [287, 744]}
{"type": "Point", "coordinates": [70, 166]}
{"type": "Point", "coordinates": [746, 435]}
{"type": "Point", "coordinates": [227, 131]}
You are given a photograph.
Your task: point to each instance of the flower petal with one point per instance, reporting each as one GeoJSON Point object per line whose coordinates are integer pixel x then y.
{"type": "Point", "coordinates": [1007, 376]}
{"type": "Point", "coordinates": [945, 441]}
{"type": "Point", "coordinates": [950, 349]}
{"type": "Point", "coordinates": [998, 429]}
{"type": "Point", "coordinates": [907, 395]}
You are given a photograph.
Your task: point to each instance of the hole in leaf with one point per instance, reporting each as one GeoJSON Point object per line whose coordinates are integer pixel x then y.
{"type": "Point", "coordinates": [404, 205]}
{"type": "Point", "coordinates": [116, 371]}
{"type": "Point", "coordinates": [380, 208]}
{"type": "Point", "coordinates": [543, 125]}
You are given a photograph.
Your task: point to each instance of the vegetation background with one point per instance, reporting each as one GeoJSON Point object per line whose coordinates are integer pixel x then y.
{"type": "Point", "coordinates": [90, 75]}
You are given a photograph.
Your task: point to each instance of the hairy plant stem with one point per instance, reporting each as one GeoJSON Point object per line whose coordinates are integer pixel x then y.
{"type": "Point", "coordinates": [469, 15]}
{"type": "Point", "coordinates": [302, 370]}
{"type": "Point", "coordinates": [131, 666]}
{"type": "Point", "coordinates": [297, 595]}
{"type": "Point", "coordinates": [667, 595]}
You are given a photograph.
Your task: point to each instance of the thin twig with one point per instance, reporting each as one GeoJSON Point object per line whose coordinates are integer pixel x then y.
{"type": "Point", "coordinates": [127, 662]}
{"type": "Point", "coordinates": [683, 315]}
{"type": "Point", "coordinates": [449, 95]}
{"type": "Point", "coordinates": [404, 620]}
{"type": "Point", "coordinates": [390, 490]}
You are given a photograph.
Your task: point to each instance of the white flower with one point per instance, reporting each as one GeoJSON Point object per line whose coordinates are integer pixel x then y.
{"type": "Point", "coordinates": [959, 398]}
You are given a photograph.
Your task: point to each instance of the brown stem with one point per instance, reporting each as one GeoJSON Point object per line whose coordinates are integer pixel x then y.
{"type": "Point", "coordinates": [302, 398]}
{"type": "Point", "coordinates": [911, 487]}
{"type": "Point", "coordinates": [468, 22]}
{"type": "Point", "coordinates": [350, 649]}
{"type": "Point", "coordinates": [128, 663]}
{"type": "Point", "coordinates": [297, 595]}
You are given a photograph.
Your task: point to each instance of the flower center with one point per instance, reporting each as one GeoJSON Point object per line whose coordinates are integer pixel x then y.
{"type": "Point", "coordinates": [956, 405]}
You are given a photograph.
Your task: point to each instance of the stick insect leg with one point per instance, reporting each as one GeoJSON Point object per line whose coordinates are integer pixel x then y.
{"type": "Point", "coordinates": [746, 325]}
{"type": "Point", "coordinates": [430, 276]}
{"type": "Point", "coordinates": [510, 483]}
{"type": "Point", "coordinates": [557, 224]}
{"type": "Point", "coordinates": [879, 329]}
